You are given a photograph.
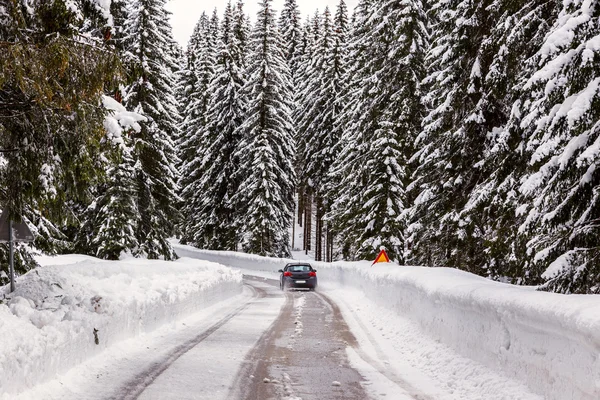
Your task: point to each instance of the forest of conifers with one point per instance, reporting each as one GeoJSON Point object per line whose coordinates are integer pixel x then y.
{"type": "Point", "coordinates": [452, 133]}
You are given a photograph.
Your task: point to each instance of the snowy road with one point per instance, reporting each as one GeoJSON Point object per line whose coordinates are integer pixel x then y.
{"type": "Point", "coordinates": [302, 355]}
{"type": "Point", "coordinates": [266, 344]}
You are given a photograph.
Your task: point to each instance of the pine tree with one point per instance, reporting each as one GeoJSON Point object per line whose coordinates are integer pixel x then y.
{"type": "Point", "coordinates": [493, 202]}
{"type": "Point", "coordinates": [192, 91]}
{"type": "Point", "coordinates": [109, 223]}
{"type": "Point", "coordinates": [317, 127]}
{"type": "Point", "coordinates": [453, 137]}
{"type": "Point", "coordinates": [241, 32]}
{"type": "Point", "coordinates": [191, 145]}
{"type": "Point", "coordinates": [188, 94]}
{"type": "Point", "coordinates": [149, 44]}
{"type": "Point", "coordinates": [265, 197]}
{"type": "Point", "coordinates": [116, 211]}
{"type": "Point", "coordinates": [307, 80]}
{"type": "Point", "coordinates": [559, 113]}
{"type": "Point", "coordinates": [215, 227]}
{"type": "Point", "coordinates": [289, 26]}
{"type": "Point", "coordinates": [384, 115]}
{"type": "Point", "coordinates": [347, 146]}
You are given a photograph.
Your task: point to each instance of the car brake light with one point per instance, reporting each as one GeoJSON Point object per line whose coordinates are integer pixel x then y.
{"type": "Point", "coordinates": [287, 273]}
{"type": "Point", "coordinates": [312, 273]}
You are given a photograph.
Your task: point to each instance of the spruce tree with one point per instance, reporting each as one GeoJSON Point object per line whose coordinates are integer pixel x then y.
{"type": "Point", "coordinates": [493, 202]}
{"type": "Point", "coordinates": [347, 147]}
{"type": "Point", "coordinates": [193, 88]}
{"type": "Point", "coordinates": [317, 127]}
{"type": "Point", "coordinates": [214, 214]}
{"type": "Point", "coordinates": [307, 81]}
{"type": "Point", "coordinates": [149, 49]}
{"type": "Point", "coordinates": [384, 115]}
{"type": "Point", "coordinates": [116, 213]}
{"type": "Point", "coordinates": [191, 144]}
{"type": "Point", "coordinates": [290, 28]}
{"type": "Point", "coordinates": [265, 196]}
{"type": "Point", "coordinates": [453, 138]}
{"type": "Point", "coordinates": [559, 113]}
{"type": "Point", "coordinates": [241, 31]}
{"type": "Point", "coordinates": [109, 223]}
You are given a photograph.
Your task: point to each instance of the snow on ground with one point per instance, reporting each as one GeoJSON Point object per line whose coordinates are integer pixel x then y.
{"type": "Point", "coordinates": [469, 337]}
{"type": "Point", "coordinates": [75, 307]}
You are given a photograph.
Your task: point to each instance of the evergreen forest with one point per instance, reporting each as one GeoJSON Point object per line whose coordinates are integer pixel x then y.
{"type": "Point", "coordinates": [452, 133]}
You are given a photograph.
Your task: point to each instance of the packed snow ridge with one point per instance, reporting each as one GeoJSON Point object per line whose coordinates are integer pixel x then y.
{"type": "Point", "coordinates": [548, 341]}
{"type": "Point", "coordinates": [77, 306]}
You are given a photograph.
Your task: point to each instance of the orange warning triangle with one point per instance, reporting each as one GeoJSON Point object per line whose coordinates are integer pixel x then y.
{"type": "Point", "coordinates": [382, 257]}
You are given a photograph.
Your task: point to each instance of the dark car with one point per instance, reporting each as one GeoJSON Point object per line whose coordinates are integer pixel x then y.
{"type": "Point", "coordinates": [298, 275]}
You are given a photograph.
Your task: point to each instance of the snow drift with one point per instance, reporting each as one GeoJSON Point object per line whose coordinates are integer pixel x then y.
{"type": "Point", "coordinates": [551, 342]}
{"type": "Point", "coordinates": [76, 306]}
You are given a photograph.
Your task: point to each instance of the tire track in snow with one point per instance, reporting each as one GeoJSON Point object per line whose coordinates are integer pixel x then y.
{"type": "Point", "coordinates": [300, 357]}
{"type": "Point", "coordinates": [142, 380]}
{"type": "Point", "coordinates": [378, 365]}
{"type": "Point", "coordinates": [257, 360]}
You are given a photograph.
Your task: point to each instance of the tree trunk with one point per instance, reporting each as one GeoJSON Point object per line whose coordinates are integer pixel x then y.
{"type": "Point", "coordinates": [328, 245]}
{"type": "Point", "coordinates": [300, 209]}
{"type": "Point", "coordinates": [319, 231]}
{"type": "Point", "coordinates": [293, 231]}
{"type": "Point", "coordinates": [307, 223]}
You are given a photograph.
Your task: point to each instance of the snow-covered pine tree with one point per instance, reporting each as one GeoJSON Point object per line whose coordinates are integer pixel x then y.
{"type": "Point", "coordinates": [241, 31]}
{"type": "Point", "coordinates": [265, 199]}
{"type": "Point", "coordinates": [560, 115]}
{"type": "Point", "coordinates": [109, 223]}
{"type": "Point", "coordinates": [339, 85]}
{"type": "Point", "coordinates": [308, 137]}
{"type": "Point", "coordinates": [187, 92]}
{"type": "Point", "coordinates": [453, 137]}
{"type": "Point", "coordinates": [213, 33]}
{"type": "Point", "coordinates": [307, 79]}
{"type": "Point", "coordinates": [149, 48]}
{"type": "Point", "coordinates": [290, 28]}
{"type": "Point", "coordinates": [519, 30]}
{"type": "Point", "coordinates": [116, 214]}
{"type": "Point", "coordinates": [214, 226]}
{"type": "Point", "coordinates": [191, 100]}
{"type": "Point", "coordinates": [191, 146]}
{"type": "Point", "coordinates": [317, 125]}
{"type": "Point", "coordinates": [384, 117]}
{"type": "Point", "coordinates": [347, 147]}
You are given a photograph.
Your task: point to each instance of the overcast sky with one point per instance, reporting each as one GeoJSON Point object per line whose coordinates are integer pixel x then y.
{"type": "Point", "coordinates": [186, 12]}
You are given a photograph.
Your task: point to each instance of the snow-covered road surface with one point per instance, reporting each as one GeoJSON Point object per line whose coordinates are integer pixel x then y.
{"type": "Point", "coordinates": [263, 344]}
{"type": "Point", "coordinates": [205, 366]}
{"type": "Point", "coordinates": [303, 355]}
{"type": "Point", "coordinates": [193, 358]}
{"type": "Point", "coordinates": [266, 344]}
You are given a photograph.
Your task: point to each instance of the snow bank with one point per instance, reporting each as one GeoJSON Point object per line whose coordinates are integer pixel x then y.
{"type": "Point", "coordinates": [76, 306]}
{"type": "Point", "coordinates": [551, 342]}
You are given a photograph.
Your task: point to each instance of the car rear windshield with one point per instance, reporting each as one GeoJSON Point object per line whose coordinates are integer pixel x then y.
{"type": "Point", "coordinates": [299, 268]}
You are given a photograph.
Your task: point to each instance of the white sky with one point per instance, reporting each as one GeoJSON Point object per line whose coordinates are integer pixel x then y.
{"type": "Point", "coordinates": [186, 12]}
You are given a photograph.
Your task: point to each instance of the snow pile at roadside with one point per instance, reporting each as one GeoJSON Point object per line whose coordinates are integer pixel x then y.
{"type": "Point", "coordinates": [551, 342]}
{"type": "Point", "coordinates": [76, 306]}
